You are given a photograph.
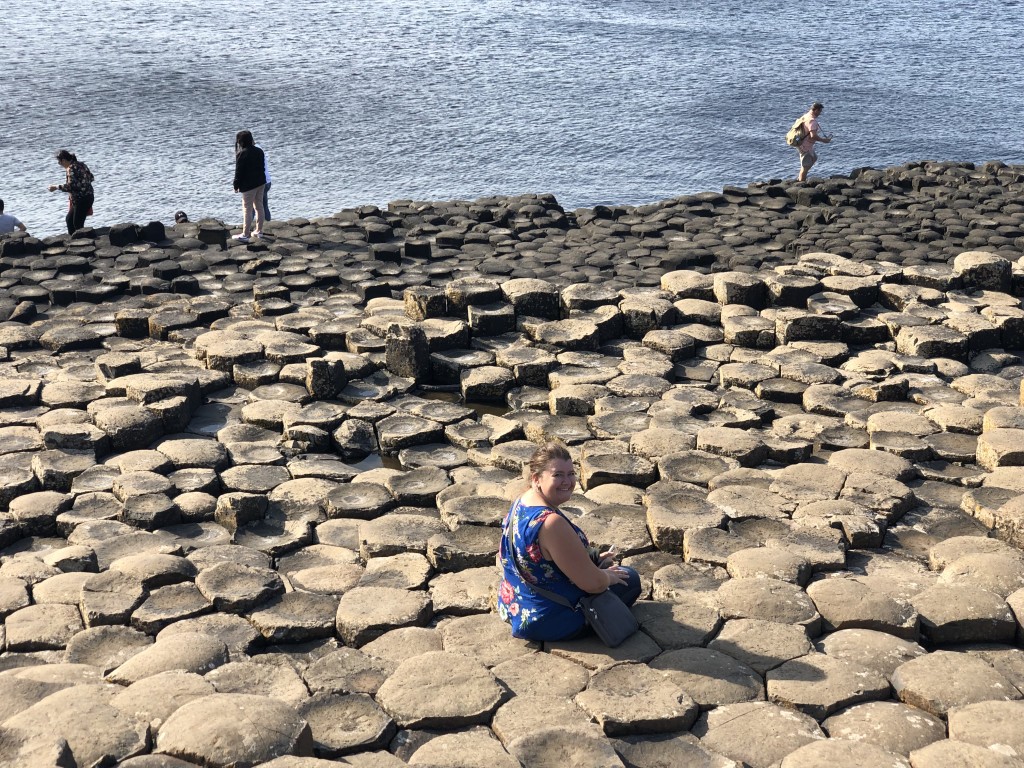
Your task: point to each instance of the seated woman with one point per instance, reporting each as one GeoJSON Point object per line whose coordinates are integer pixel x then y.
{"type": "Point", "coordinates": [553, 554]}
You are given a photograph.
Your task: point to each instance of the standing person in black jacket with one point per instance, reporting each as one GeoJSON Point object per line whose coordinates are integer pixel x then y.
{"type": "Point", "coordinates": [78, 185]}
{"type": "Point", "coordinates": [250, 180]}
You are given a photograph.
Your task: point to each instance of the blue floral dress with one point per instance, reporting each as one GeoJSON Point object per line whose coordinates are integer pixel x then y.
{"type": "Point", "coordinates": [534, 617]}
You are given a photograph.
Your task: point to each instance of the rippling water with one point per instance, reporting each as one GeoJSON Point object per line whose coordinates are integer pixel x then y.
{"type": "Point", "coordinates": [613, 101]}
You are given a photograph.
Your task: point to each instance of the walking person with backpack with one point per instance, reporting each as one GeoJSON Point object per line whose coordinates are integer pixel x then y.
{"type": "Point", "coordinates": [804, 134]}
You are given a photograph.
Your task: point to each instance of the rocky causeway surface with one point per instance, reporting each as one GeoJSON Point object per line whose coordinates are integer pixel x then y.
{"type": "Point", "coordinates": [251, 495]}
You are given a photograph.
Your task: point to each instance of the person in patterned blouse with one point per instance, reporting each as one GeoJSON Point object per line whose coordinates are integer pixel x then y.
{"type": "Point", "coordinates": [541, 546]}
{"type": "Point", "coordinates": [78, 185]}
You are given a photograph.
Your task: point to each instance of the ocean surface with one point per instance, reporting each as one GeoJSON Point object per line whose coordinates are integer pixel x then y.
{"type": "Point", "coordinates": [617, 101]}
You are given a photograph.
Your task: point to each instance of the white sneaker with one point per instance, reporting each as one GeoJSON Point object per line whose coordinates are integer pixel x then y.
{"type": "Point", "coordinates": [259, 235]}
{"type": "Point", "coordinates": [241, 238]}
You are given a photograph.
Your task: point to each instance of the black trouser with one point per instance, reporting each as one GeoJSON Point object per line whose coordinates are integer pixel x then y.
{"type": "Point", "coordinates": [77, 212]}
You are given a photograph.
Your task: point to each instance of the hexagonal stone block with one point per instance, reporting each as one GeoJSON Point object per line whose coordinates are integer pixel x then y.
{"type": "Point", "coordinates": [557, 747]}
{"type": "Point", "coordinates": [343, 724]}
{"type": "Point", "coordinates": [760, 734]}
{"type": "Point", "coordinates": [879, 651]}
{"type": "Point", "coordinates": [440, 690]}
{"type": "Point", "coordinates": [711, 678]}
{"type": "Point", "coordinates": [892, 725]}
{"type": "Point", "coordinates": [948, 752]}
{"type": "Point", "coordinates": [849, 604]}
{"type": "Point", "coordinates": [940, 681]}
{"type": "Point", "coordinates": [366, 613]}
{"type": "Point", "coordinates": [633, 698]}
{"type": "Point", "coordinates": [964, 614]}
{"type": "Point", "coordinates": [192, 652]}
{"type": "Point", "coordinates": [761, 645]}
{"type": "Point", "coordinates": [991, 724]}
{"type": "Point", "coordinates": [97, 732]}
{"type": "Point", "coordinates": [819, 685]}
{"type": "Point", "coordinates": [234, 729]}
{"type": "Point", "coordinates": [842, 754]}
{"type": "Point", "coordinates": [770, 600]}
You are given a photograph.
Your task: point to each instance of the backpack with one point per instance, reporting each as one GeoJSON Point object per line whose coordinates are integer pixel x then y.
{"type": "Point", "coordinates": [797, 133]}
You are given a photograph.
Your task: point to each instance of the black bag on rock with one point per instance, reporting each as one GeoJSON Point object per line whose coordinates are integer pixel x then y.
{"type": "Point", "coordinates": [609, 617]}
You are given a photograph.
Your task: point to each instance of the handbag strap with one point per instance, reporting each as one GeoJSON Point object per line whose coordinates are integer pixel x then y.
{"type": "Point", "coordinates": [553, 596]}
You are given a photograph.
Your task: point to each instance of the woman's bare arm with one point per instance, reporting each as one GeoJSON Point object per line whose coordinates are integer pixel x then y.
{"type": "Point", "coordinates": [559, 541]}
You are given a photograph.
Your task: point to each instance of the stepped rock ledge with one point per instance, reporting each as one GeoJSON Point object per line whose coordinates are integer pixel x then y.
{"type": "Point", "coordinates": [251, 494]}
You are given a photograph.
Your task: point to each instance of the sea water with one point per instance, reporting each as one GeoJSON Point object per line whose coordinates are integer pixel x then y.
{"type": "Point", "coordinates": [618, 101]}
